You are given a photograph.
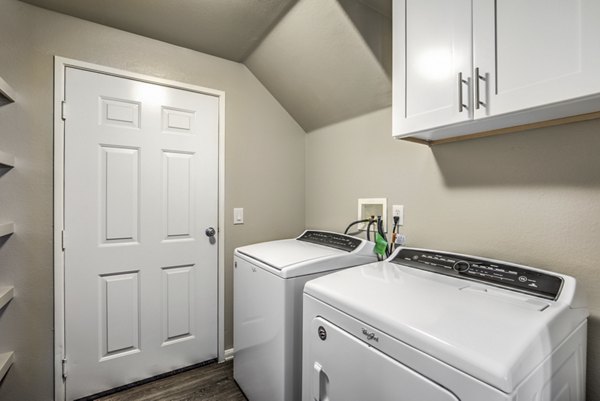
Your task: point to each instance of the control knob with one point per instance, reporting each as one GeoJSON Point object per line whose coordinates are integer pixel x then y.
{"type": "Point", "coordinates": [461, 266]}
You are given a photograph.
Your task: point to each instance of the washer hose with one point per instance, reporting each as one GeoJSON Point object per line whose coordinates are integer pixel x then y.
{"type": "Point", "coordinates": [355, 223]}
{"type": "Point", "coordinates": [371, 221]}
{"type": "Point", "coordinates": [382, 233]}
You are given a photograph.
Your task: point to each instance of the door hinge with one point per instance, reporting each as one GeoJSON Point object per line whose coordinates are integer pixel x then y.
{"type": "Point", "coordinates": [62, 240]}
{"type": "Point", "coordinates": [64, 368]}
{"type": "Point", "coordinates": [63, 110]}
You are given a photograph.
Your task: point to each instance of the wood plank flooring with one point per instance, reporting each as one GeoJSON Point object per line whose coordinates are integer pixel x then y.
{"type": "Point", "coordinates": [208, 383]}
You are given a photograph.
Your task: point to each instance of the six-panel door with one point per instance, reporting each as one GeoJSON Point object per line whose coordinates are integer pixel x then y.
{"type": "Point", "coordinates": [141, 184]}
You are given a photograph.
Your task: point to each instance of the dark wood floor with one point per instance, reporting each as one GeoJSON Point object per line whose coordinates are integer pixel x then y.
{"type": "Point", "coordinates": [208, 383]}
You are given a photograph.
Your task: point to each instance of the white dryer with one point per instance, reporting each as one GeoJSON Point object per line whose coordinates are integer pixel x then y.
{"type": "Point", "coordinates": [267, 307]}
{"type": "Point", "coordinates": [434, 326]}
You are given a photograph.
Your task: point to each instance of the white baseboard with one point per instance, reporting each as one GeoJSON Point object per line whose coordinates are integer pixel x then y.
{"type": "Point", "coordinates": [228, 354]}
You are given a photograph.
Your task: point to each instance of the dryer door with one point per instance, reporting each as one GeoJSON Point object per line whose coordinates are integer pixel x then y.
{"type": "Point", "coordinates": [344, 368]}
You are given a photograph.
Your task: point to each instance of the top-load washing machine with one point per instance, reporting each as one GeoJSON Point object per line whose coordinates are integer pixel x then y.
{"type": "Point", "coordinates": [267, 307]}
{"type": "Point", "coordinates": [435, 326]}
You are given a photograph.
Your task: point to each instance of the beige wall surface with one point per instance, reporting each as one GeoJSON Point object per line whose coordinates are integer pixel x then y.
{"type": "Point", "coordinates": [530, 197]}
{"type": "Point", "coordinates": [264, 166]}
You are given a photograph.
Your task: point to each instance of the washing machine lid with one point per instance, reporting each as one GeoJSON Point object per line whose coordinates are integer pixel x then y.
{"type": "Point", "coordinates": [313, 251]}
{"type": "Point", "coordinates": [493, 334]}
{"type": "Point", "coordinates": [284, 253]}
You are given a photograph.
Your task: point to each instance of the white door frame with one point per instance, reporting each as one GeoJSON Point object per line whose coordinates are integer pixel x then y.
{"type": "Point", "coordinates": [60, 65]}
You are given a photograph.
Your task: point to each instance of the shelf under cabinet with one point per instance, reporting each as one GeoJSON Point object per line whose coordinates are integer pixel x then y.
{"type": "Point", "coordinates": [6, 228]}
{"type": "Point", "coordinates": [6, 294]}
{"type": "Point", "coordinates": [6, 159]}
{"type": "Point", "coordinates": [7, 94]}
{"type": "Point", "coordinates": [6, 360]}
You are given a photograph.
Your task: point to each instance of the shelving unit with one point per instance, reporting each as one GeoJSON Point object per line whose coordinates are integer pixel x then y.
{"type": "Point", "coordinates": [6, 294]}
{"type": "Point", "coordinates": [6, 360]}
{"type": "Point", "coordinates": [7, 229]}
{"type": "Point", "coordinates": [6, 159]}
{"type": "Point", "coordinates": [7, 96]}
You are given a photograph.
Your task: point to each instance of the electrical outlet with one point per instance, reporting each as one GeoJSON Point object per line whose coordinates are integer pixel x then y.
{"type": "Point", "coordinates": [398, 211]}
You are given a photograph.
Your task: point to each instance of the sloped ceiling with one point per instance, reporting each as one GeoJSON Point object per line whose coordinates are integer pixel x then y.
{"type": "Point", "coordinates": [229, 29]}
{"type": "Point", "coordinates": [383, 7]}
{"type": "Point", "coordinates": [324, 60]}
{"type": "Point", "coordinates": [320, 67]}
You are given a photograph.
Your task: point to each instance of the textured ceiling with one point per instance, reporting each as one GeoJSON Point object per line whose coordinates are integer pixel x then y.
{"type": "Point", "coordinates": [225, 28]}
{"type": "Point", "coordinates": [324, 60]}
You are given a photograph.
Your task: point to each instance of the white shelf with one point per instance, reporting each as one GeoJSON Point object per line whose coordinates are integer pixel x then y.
{"type": "Point", "coordinates": [7, 94]}
{"type": "Point", "coordinates": [6, 159]}
{"type": "Point", "coordinates": [6, 360]}
{"type": "Point", "coordinates": [6, 229]}
{"type": "Point", "coordinates": [6, 294]}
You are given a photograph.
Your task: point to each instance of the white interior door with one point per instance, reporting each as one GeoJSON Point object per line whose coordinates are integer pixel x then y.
{"type": "Point", "coordinates": [141, 188]}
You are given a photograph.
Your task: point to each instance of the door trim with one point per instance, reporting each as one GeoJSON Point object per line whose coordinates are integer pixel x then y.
{"type": "Point", "coordinates": [60, 66]}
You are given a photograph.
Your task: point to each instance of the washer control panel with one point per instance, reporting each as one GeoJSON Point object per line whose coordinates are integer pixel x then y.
{"type": "Point", "coordinates": [332, 240]}
{"type": "Point", "coordinates": [509, 276]}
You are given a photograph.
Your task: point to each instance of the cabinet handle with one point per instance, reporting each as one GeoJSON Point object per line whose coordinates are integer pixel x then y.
{"type": "Point", "coordinates": [478, 77]}
{"type": "Point", "coordinates": [462, 81]}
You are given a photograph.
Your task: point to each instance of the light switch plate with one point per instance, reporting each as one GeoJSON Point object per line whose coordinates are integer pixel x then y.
{"type": "Point", "coordinates": [238, 215]}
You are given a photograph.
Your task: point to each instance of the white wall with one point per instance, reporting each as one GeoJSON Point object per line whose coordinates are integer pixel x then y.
{"type": "Point", "coordinates": [264, 165]}
{"type": "Point", "coordinates": [530, 197]}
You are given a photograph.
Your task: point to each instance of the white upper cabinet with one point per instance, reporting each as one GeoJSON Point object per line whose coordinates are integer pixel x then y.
{"type": "Point", "coordinates": [432, 63]}
{"type": "Point", "coordinates": [521, 61]}
{"type": "Point", "coordinates": [545, 51]}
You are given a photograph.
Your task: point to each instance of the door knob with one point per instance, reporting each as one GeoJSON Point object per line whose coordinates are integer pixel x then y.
{"type": "Point", "coordinates": [210, 232]}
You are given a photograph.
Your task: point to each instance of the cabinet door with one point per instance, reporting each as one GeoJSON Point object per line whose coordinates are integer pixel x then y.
{"type": "Point", "coordinates": [535, 52]}
{"type": "Point", "coordinates": [432, 46]}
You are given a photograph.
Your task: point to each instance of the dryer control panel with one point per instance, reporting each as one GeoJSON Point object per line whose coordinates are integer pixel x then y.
{"type": "Point", "coordinates": [332, 240]}
{"type": "Point", "coordinates": [506, 275]}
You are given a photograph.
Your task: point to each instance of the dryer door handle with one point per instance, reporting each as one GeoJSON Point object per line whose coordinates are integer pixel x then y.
{"type": "Point", "coordinates": [320, 383]}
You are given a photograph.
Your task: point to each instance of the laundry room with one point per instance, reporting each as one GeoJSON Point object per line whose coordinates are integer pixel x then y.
{"type": "Point", "coordinates": [266, 122]}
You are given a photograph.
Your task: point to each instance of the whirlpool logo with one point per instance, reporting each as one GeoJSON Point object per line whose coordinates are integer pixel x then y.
{"type": "Point", "coordinates": [370, 335]}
